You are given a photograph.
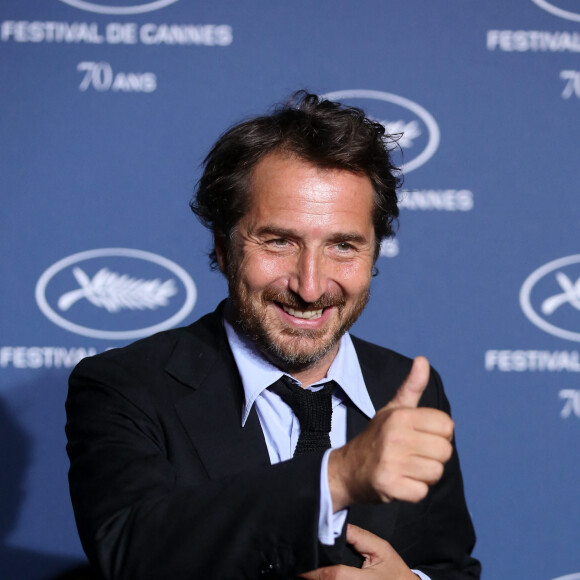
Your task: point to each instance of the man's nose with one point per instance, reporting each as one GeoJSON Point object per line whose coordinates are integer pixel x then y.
{"type": "Point", "coordinates": [309, 280]}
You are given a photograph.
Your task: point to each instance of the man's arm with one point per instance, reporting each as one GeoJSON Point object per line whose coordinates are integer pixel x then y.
{"type": "Point", "coordinates": [400, 455]}
{"type": "Point", "coordinates": [139, 516]}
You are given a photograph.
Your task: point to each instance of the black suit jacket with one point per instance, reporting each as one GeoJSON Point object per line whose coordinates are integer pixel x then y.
{"type": "Point", "coordinates": [167, 485]}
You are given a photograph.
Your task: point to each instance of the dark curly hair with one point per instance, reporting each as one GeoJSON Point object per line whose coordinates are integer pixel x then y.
{"type": "Point", "coordinates": [322, 132]}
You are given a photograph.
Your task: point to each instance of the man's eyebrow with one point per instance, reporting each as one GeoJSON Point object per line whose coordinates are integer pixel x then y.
{"type": "Point", "coordinates": [276, 231]}
{"type": "Point", "coordinates": [279, 232]}
{"type": "Point", "coordinates": [353, 237]}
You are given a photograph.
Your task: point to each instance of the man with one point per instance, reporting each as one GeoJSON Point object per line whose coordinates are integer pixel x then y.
{"type": "Point", "coordinates": [192, 458]}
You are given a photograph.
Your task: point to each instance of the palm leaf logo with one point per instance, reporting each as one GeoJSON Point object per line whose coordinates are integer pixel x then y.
{"type": "Point", "coordinates": [570, 295]}
{"type": "Point", "coordinates": [116, 292]}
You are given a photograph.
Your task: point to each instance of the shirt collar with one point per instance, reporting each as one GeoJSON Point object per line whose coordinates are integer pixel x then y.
{"type": "Point", "coordinates": [258, 374]}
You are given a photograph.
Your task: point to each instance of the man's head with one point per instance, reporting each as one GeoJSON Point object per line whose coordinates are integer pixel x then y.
{"type": "Point", "coordinates": [324, 133]}
{"type": "Point", "coordinates": [298, 203]}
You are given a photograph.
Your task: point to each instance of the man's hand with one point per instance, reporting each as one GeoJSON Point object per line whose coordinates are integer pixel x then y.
{"type": "Point", "coordinates": [400, 453]}
{"type": "Point", "coordinates": [381, 561]}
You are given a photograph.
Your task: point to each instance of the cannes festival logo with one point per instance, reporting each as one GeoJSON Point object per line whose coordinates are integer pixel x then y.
{"type": "Point", "coordinates": [119, 8]}
{"type": "Point", "coordinates": [115, 293]}
{"type": "Point", "coordinates": [419, 131]}
{"type": "Point", "coordinates": [567, 9]}
{"type": "Point", "coordinates": [550, 297]}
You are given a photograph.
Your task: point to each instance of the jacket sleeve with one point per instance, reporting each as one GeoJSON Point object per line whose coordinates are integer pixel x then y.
{"type": "Point", "coordinates": [446, 532]}
{"type": "Point", "coordinates": [435, 535]}
{"type": "Point", "coordinates": [136, 517]}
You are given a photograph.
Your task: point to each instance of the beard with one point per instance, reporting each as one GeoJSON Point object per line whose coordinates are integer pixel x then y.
{"type": "Point", "coordinates": [291, 349]}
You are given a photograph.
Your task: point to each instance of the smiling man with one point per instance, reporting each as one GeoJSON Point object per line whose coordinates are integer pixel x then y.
{"type": "Point", "coordinates": [263, 441]}
{"type": "Point", "coordinates": [301, 261]}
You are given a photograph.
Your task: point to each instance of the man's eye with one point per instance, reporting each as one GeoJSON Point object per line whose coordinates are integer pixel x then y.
{"type": "Point", "coordinates": [343, 246]}
{"type": "Point", "coordinates": [279, 242]}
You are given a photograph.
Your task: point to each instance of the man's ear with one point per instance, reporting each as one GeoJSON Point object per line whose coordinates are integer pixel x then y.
{"type": "Point", "coordinates": [219, 241]}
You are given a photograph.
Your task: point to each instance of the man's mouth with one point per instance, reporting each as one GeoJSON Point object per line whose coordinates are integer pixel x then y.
{"type": "Point", "coordinates": [308, 314]}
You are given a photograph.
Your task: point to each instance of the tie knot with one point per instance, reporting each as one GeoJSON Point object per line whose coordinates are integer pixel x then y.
{"type": "Point", "coordinates": [313, 410]}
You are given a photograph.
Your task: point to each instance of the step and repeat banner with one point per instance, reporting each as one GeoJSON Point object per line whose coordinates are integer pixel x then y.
{"type": "Point", "coordinates": [109, 106]}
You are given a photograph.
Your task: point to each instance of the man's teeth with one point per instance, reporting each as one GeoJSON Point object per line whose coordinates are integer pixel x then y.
{"type": "Point", "coordinates": [303, 313]}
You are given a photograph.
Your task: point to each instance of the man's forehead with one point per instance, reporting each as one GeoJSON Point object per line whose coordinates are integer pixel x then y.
{"type": "Point", "coordinates": [284, 176]}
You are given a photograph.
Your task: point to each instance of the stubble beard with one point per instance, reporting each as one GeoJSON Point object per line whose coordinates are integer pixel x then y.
{"type": "Point", "coordinates": [290, 349]}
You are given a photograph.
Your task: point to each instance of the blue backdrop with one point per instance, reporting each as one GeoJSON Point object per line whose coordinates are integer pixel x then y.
{"type": "Point", "coordinates": [108, 108]}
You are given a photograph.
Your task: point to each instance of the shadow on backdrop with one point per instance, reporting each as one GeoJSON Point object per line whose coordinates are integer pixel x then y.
{"type": "Point", "coordinates": [21, 563]}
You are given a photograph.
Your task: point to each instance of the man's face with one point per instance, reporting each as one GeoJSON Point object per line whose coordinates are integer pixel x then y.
{"type": "Point", "coordinates": [301, 259]}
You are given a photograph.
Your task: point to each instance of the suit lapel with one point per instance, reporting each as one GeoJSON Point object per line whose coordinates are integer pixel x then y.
{"type": "Point", "coordinates": [356, 420]}
{"type": "Point", "coordinates": [211, 412]}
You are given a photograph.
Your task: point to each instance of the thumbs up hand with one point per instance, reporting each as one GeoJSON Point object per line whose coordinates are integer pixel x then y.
{"type": "Point", "coordinates": [400, 453]}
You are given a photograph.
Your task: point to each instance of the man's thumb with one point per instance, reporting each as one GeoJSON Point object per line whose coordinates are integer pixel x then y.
{"type": "Point", "coordinates": [411, 390]}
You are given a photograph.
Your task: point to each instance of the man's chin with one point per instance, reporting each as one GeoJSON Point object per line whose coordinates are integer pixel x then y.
{"type": "Point", "coordinates": [302, 353]}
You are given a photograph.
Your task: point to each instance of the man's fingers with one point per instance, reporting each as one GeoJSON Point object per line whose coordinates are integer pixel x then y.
{"type": "Point", "coordinates": [365, 542]}
{"type": "Point", "coordinates": [433, 422]}
{"type": "Point", "coordinates": [424, 470]}
{"type": "Point", "coordinates": [379, 555]}
{"type": "Point", "coordinates": [411, 390]}
{"type": "Point", "coordinates": [437, 447]}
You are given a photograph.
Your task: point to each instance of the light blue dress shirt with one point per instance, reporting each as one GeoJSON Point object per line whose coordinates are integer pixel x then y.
{"type": "Point", "coordinates": [281, 427]}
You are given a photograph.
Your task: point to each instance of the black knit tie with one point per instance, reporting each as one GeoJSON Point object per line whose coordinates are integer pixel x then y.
{"type": "Point", "coordinates": [313, 410]}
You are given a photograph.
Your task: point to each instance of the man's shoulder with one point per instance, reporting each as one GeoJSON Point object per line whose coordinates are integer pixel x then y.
{"type": "Point", "coordinates": [384, 370]}
{"type": "Point", "coordinates": [151, 355]}
{"type": "Point", "coordinates": [376, 357]}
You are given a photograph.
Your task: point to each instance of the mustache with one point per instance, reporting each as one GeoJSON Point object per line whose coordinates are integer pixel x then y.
{"type": "Point", "coordinates": [292, 300]}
